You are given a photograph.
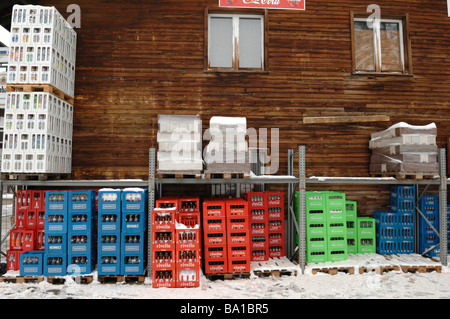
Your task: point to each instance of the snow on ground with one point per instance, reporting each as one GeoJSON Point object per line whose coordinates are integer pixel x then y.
{"type": "Point", "coordinates": [390, 285]}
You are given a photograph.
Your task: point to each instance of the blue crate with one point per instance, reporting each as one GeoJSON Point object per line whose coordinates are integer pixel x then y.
{"type": "Point", "coordinates": [108, 264]}
{"type": "Point", "coordinates": [385, 218]}
{"type": "Point", "coordinates": [56, 202]}
{"type": "Point", "coordinates": [81, 222]}
{"type": "Point", "coordinates": [134, 223]}
{"type": "Point", "coordinates": [31, 263]}
{"type": "Point", "coordinates": [55, 243]}
{"type": "Point", "coordinates": [80, 243]}
{"type": "Point", "coordinates": [405, 246]}
{"type": "Point", "coordinates": [109, 200]}
{"type": "Point", "coordinates": [55, 265]}
{"type": "Point", "coordinates": [132, 264]}
{"type": "Point", "coordinates": [55, 222]}
{"type": "Point", "coordinates": [134, 200]}
{"type": "Point", "coordinates": [132, 243]}
{"type": "Point", "coordinates": [386, 246]}
{"type": "Point", "coordinates": [399, 205]}
{"type": "Point", "coordinates": [386, 232]}
{"type": "Point", "coordinates": [108, 243]}
{"type": "Point", "coordinates": [80, 264]}
{"type": "Point", "coordinates": [405, 232]}
{"type": "Point", "coordinates": [109, 222]}
{"type": "Point", "coordinates": [431, 201]}
{"type": "Point", "coordinates": [406, 219]}
{"type": "Point", "coordinates": [81, 201]}
{"type": "Point", "coordinates": [428, 241]}
{"type": "Point", "coordinates": [403, 192]}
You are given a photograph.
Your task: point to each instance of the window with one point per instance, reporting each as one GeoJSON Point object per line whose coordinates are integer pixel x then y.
{"type": "Point", "coordinates": [381, 48]}
{"type": "Point", "coordinates": [235, 42]}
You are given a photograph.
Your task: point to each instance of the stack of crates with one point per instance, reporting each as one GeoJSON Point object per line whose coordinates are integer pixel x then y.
{"type": "Point", "coordinates": [238, 235]}
{"type": "Point", "coordinates": [275, 207]}
{"type": "Point", "coordinates": [188, 239]}
{"type": "Point", "coordinates": [351, 214]}
{"type": "Point", "coordinates": [164, 246]}
{"type": "Point", "coordinates": [133, 234]}
{"type": "Point", "coordinates": [56, 226]}
{"type": "Point", "coordinates": [259, 225]}
{"type": "Point", "coordinates": [326, 228]}
{"type": "Point", "coordinates": [38, 125]}
{"type": "Point", "coordinates": [109, 231]}
{"type": "Point", "coordinates": [215, 236]}
{"type": "Point", "coordinates": [82, 254]}
{"type": "Point", "coordinates": [386, 232]}
{"type": "Point", "coordinates": [366, 235]}
{"type": "Point", "coordinates": [28, 233]}
{"type": "Point", "coordinates": [429, 206]}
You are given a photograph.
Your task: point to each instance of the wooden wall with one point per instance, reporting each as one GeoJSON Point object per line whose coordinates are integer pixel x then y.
{"type": "Point", "coordinates": [136, 59]}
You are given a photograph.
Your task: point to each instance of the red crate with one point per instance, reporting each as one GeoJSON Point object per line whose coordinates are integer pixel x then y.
{"type": "Point", "coordinates": [214, 238]}
{"type": "Point", "coordinates": [23, 200]}
{"type": "Point", "coordinates": [256, 200]}
{"type": "Point", "coordinates": [29, 240]}
{"type": "Point", "coordinates": [188, 238]}
{"type": "Point", "coordinates": [31, 219]}
{"type": "Point", "coordinates": [163, 218]}
{"type": "Point", "coordinates": [163, 278]}
{"type": "Point", "coordinates": [259, 243]}
{"type": "Point", "coordinates": [37, 200]}
{"type": "Point", "coordinates": [238, 223]}
{"type": "Point", "coordinates": [21, 219]}
{"type": "Point", "coordinates": [16, 239]}
{"type": "Point", "coordinates": [40, 242]}
{"type": "Point", "coordinates": [238, 251]}
{"type": "Point", "coordinates": [275, 213]}
{"type": "Point", "coordinates": [239, 265]}
{"type": "Point", "coordinates": [188, 204]}
{"type": "Point", "coordinates": [167, 202]}
{"type": "Point", "coordinates": [216, 252]}
{"type": "Point", "coordinates": [163, 260]}
{"type": "Point", "coordinates": [214, 224]}
{"type": "Point", "coordinates": [238, 237]}
{"type": "Point", "coordinates": [276, 226]}
{"type": "Point", "coordinates": [276, 251]}
{"type": "Point", "coordinates": [258, 215]}
{"type": "Point", "coordinates": [216, 266]}
{"type": "Point", "coordinates": [259, 255]}
{"type": "Point", "coordinates": [163, 240]}
{"type": "Point", "coordinates": [40, 222]}
{"type": "Point", "coordinates": [276, 238]}
{"type": "Point", "coordinates": [214, 207]}
{"type": "Point", "coordinates": [187, 278]}
{"type": "Point", "coordinates": [188, 262]}
{"type": "Point", "coordinates": [189, 219]}
{"type": "Point", "coordinates": [258, 229]}
{"type": "Point", "coordinates": [13, 260]}
{"type": "Point", "coordinates": [275, 199]}
{"type": "Point", "coordinates": [236, 207]}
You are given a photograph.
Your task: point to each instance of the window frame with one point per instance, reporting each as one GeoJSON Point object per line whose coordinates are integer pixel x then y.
{"type": "Point", "coordinates": [405, 45]}
{"type": "Point", "coordinates": [235, 15]}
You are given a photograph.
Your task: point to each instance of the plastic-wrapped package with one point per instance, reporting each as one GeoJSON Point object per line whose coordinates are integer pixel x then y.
{"type": "Point", "coordinates": [405, 149]}
{"type": "Point", "coordinates": [179, 140]}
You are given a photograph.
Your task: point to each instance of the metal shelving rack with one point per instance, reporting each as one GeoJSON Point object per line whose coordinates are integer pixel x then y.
{"type": "Point", "coordinates": [293, 226]}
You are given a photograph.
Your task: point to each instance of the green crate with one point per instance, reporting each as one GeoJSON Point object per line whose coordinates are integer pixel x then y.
{"type": "Point", "coordinates": [316, 243]}
{"type": "Point", "coordinates": [316, 230]}
{"type": "Point", "coordinates": [316, 256]}
{"type": "Point", "coordinates": [351, 228]}
{"type": "Point", "coordinates": [336, 229]}
{"type": "Point", "coordinates": [335, 200]}
{"type": "Point", "coordinates": [365, 227]}
{"type": "Point", "coordinates": [337, 242]}
{"type": "Point", "coordinates": [351, 210]}
{"type": "Point", "coordinates": [367, 245]}
{"type": "Point", "coordinates": [338, 254]}
{"type": "Point", "coordinates": [352, 245]}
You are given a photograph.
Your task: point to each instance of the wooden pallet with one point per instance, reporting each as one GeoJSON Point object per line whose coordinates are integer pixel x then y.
{"type": "Point", "coordinates": [134, 279]}
{"type": "Point", "coordinates": [334, 270]}
{"type": "Point", "coordinates": [421, 269]}
{"type": "Point", "coordinates": [179, 175]}
{"type": "Point", "coordinates": [228, 276]}
{"type": "Point", "coordinates": [227, 175]}
{"type": "Point", "coordinates": [406, 176]}
{"type": "Point", "coordinates": [47, 88]}
{"type": "Point", "coordinates": [379, 269]}
{"type": "Point", "coordinates": [111, 279]}
{"type": "Point", "coordinates": [83, 280]}
{"type": "Point", "coordinates": [35, 177]}
{"type": "Point", "coordinates": [275, 266]}
{"type": "Point", "coordinates": [22, 279]}
{"type": "Point", "coordinates": [56, 280]}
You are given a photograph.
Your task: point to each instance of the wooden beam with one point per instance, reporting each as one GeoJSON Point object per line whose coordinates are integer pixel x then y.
{"type": "Point", "coordinates": [346, 119]}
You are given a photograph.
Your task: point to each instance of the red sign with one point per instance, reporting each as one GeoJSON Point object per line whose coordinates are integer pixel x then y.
{"type": "Point", "coordinates": [264, 4]}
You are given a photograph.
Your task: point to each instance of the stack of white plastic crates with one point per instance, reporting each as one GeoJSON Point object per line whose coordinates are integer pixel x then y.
{"type": "Point", "coordinates": [40, 90]}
